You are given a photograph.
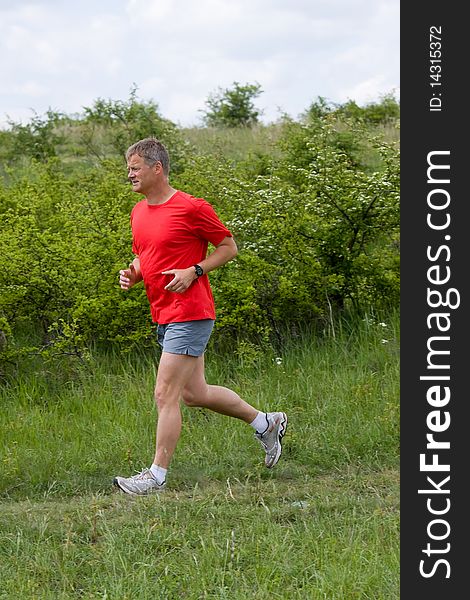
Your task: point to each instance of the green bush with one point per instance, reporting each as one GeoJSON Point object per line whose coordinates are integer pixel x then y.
{"type": "Point", "coordinates": [111, 126]}
{"type": "Point", "coordinates": [37, 139]}
{"type": "Point", "coordinates": [317, 232]}
{"type": "Point", "coordinates": [343, 217]}
{"type": "Point", "coordinates": [387, 110]}
{"type": "Point", "coordinates": [233, 107]}
{"type": "Point", "coordinates": [64, 241]}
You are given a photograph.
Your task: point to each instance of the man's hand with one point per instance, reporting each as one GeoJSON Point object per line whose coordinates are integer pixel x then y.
{"type": "Point", "coordinates": [183, 278]}
{"type": "Point", "coordinates": [128, 277]}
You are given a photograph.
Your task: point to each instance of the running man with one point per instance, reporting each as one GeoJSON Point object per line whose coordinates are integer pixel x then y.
{"type": "Point", "coordinates": [171, 231]}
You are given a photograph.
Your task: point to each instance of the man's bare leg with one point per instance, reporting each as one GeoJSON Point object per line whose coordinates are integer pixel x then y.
{"type": "Point", "coordinates": [270, 427]}
{"type": "Point", "coordinates": [220, 399]}
{"type": "Point", "coordinates": [182, 376]}
{"type": "Point", "coordinates": [174, 373]}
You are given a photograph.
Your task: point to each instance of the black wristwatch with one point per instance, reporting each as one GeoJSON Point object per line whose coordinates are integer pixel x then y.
{"type": "Point", "coordinates": [199, 270]}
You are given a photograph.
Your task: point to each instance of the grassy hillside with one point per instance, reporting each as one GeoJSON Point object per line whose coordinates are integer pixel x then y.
{"type": "Point", "coordinates": [322, 524]}
{"type": "Point", "coordinates": [240, 143]}
{"type": "Point", "coordinates": [314, 206]}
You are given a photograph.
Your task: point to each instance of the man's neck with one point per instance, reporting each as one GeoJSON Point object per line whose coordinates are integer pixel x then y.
{"type": "Point", "coordinates": [160, 195]}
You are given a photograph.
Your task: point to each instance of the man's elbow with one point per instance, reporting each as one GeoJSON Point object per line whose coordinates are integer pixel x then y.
{"type": "Point", "coordinates": [234, 249]}
{"type": "Point", "coordinates": [229, 247]}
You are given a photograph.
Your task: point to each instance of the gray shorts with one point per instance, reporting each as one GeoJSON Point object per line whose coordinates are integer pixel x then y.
{"type": "Point", "coordinates": [189, 337]}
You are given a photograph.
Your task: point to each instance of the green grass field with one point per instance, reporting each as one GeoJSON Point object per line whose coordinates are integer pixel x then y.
{"type": "Point", "coordinates": [324, 524]}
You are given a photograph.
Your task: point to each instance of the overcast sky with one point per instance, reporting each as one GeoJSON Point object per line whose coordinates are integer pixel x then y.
{"type": "Point", "coordinates": [63, 54]}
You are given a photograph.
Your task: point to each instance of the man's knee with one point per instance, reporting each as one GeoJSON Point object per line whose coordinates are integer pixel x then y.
{"type": "Point", "coordinates": [164, 395]}
{"type": "Point", "coordinates": [194, 397]}
{"type": "Point", "coordinates": [189, 398]}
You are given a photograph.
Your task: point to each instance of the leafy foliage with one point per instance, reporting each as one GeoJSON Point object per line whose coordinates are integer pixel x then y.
{"type": "Point", "coordinates": [375, 113]}
{"type": "Point", "coordinates": [111, 126]}
{"type": "Point", "coordinates": [316, 225]}
{"type": "Point", "coordinates": [64, 240]}
{"type": "Point", "coordinates": [384, 112]}
{"type": "Point", "coordinates": [315, 232]}
{"type": "Point", "coordinates": [233, 107]}
{"type": "Point", "coordinates": [37, 139]}
{"type": "Point", "coordinates": [104, 131]}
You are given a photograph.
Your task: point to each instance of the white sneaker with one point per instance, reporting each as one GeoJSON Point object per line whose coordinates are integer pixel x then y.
{"type": "Point", "coordinates": [139, 485]}
{"type": "Point", "coordinates": [271, 438]}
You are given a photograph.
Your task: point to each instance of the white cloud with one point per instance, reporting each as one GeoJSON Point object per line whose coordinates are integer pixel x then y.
{"type": "Point", "coordinates": [65, 55]}
{"type": "Point", "coordinates": [32, 89]}
{"type": "Point", "coordinates": [364, 91]}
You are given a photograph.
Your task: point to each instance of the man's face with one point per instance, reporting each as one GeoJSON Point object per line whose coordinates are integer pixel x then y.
{"type": "Point", "coordinates": [140, 174]}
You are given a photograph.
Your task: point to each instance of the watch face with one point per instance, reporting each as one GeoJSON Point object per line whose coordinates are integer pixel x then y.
{"type": "Point", "coordinates": [199, 270]}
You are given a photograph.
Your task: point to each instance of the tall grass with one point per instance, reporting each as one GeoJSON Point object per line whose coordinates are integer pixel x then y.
{"type": "Point", "coordinates": [322, 524]}
{"type": "Point", "coordinates": [243, 143]}
{"type": "Point", "coordinates": [236, 143]}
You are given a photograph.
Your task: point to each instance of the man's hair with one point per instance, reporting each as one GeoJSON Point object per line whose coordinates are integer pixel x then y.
{"type": "Point", "coordinates": [152, 151]}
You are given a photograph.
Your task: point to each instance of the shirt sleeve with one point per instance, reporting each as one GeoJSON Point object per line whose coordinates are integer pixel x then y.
{"type": "Point", "coordinates": [208, 226]}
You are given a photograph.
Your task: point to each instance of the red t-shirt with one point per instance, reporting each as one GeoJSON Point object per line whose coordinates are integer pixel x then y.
{"type": "Point", "coordinates": [175, 235]}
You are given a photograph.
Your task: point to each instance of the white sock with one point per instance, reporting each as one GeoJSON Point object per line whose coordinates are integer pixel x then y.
{"type": "Point", "coordinates": [159, 473]}
{"type": "Point", "coordinates": [260, 422]}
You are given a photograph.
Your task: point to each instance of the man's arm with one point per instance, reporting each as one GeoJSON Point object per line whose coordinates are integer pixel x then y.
{"type": "Point", "coordinates": [129, 277]}
{"type": "Point", "coordinates": [183, 278]}
{"type": "Point", "coordinates": [224, 252]}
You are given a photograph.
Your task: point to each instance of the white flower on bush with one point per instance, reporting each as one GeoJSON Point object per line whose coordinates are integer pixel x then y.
{"type": "Point", "coordinates": [278, 360]}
